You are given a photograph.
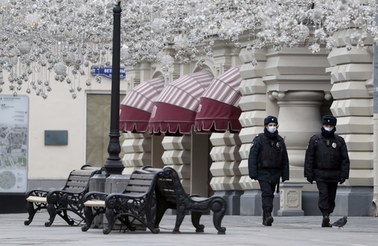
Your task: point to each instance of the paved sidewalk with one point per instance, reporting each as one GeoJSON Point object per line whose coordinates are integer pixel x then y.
{"type": "Point", "coordinates": [241, 230]}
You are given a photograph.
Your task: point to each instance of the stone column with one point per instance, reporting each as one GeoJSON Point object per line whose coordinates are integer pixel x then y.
{"type": "Point", "coordinates": [137, 149]}
{"type": "Point", "coordinates": [253, 105]}
{"type": "Point", "coordinates": [177, 155]}
{"type": "Point", "coordinates": [299, 119]}
{"type": "Point", "coordinates": [352, 89]}
{"type": "Point", "coordinates": [298, 88]}
{"type": "Point", "coordinates": [375, 131]}
{"type": "Point", "coordinates": [225, 169]}
{"type": "Point", "coordinates": [297, 85]}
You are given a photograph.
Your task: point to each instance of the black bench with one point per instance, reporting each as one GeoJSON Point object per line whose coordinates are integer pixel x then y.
{"type": "Point", "coordinates": [171, 194]}
{"type": "Point", "coordinates": [59, 202]}
{"type": "Point", "coordinates": [136, 202]}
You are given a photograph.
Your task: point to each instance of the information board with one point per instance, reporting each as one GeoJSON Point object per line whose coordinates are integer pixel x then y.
{"type": "Point", "coordinates": [14, 126]}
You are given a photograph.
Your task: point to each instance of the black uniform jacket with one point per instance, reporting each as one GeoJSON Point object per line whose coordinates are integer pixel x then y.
{"type": "Point", "coordinates": [326, 158]}
{"type": "Point", "coordinates": [262, 172]}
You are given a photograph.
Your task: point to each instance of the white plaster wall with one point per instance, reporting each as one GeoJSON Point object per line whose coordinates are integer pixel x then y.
{"type": "Point", "coordinates": [59, 112]}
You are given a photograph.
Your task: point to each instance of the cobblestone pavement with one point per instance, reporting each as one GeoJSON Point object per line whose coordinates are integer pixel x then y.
{"type": "Point", "coordinates": [241, 230]}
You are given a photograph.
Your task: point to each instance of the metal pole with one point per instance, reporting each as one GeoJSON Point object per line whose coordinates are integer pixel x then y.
{"type": "Point", "coordinates": [114, 164]}
{"type": "Point", "coordinates": [375, 122]}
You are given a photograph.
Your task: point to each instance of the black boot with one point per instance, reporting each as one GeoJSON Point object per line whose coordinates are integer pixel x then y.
{"type": "Point", "coordinates": [263, 218]}
{"type": "Point", "coordinates": [325, 221]}
{"type": "Point", "coordinates": [267, 218]}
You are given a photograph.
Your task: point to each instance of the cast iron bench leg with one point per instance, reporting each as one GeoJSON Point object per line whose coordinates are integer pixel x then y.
{"type": "Point", "coordinates": [196, 216]}
{"type": "Point", "coordinates": [219, 209]}
{"type": "Point", "coordinates": [159, 215]}
{"type": "Point", "coordinates": [179, 218]}
{"type": "Point", "coordinates": [31, 212]}
{"type": "Point", "coordinates": [52, 212]}
{"type": "Point", "coordinates": [111, 221]}
{"type": "Point", "coordinates": [89, 218]}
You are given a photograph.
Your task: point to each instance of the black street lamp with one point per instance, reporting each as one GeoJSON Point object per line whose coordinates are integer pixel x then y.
{"type": "Point", "coordinates": [113, 164]}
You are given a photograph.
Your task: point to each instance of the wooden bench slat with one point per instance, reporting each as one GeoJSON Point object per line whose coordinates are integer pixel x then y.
{"type": "Point", "coordinates": [77, 183]}
{"type": "Point", "coordinates": [79, 178]}
{"type": "Point", "coordinates": [78, 186]}
{"type": "Point", "coordinates": [82, 172]}
{"type": "Point", "coordinates": [94, 203]}
{"type": "Point", "coordinates": [139, 189]}
{"type": "Point", "coordinates": [40, 199]}
{"type": "Point", "coordinates": [142, 176]}
{"type": "Point", "coordinates": [139, 182]}
{"type": "Point", "coordinates": [73, 189]}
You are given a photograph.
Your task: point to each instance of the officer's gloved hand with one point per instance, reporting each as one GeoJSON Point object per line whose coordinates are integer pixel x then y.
{"type": "Point", "coordinates": [310, 180]}
{"type": "Point", "coordinates": [342, 180]}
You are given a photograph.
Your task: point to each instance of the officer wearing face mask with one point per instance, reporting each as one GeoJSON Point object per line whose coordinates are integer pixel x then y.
{"type": "Point", "coordinates": [327, 163]}
{"type": "Point", "coordinates": [268, 162]}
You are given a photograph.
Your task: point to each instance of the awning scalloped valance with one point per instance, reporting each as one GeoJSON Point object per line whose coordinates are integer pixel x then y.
{"type": "Point", "coordinates": [175, 109]}
{"type": "Point", "coordinates": [136, 107]}
{"type": "Point", "coordinates": [218, 111]}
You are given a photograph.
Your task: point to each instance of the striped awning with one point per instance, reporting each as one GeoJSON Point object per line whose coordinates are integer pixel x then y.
{"type": "Point", "coordinates": [217, 111]}
{"type": "Point", "coordinates": [175, 109]}
{"type": "Point", "coordinates": [136, 107]}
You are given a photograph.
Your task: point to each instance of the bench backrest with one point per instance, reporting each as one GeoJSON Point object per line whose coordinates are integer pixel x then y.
{"type": "Point", "coordinates": [141, 181]}
{"type": "Point", "coordinates": [169, 186]}
{"type": "Point", "coordinates": [78, 180]}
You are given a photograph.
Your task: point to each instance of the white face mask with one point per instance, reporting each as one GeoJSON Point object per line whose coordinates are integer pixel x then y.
{"type": "Point", "coordinates": [272, 129]}
{"type": "Point", "coordinates": [328, 129]}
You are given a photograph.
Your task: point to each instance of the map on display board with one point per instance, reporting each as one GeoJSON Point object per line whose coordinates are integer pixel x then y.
{"type": "Point", "coordinates": [14, 124]}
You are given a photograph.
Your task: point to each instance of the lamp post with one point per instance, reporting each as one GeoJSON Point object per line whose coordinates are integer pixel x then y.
{"type": "Point", "coordinates": [113, 164]}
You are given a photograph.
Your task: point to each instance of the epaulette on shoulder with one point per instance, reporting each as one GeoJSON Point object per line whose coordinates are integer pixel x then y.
{"type": "Point", "coordinates": [316, 137]}
{"type": "Point", "coordinates": [340, 138]}
{"type": "Point", "coordinates": [257, 136]}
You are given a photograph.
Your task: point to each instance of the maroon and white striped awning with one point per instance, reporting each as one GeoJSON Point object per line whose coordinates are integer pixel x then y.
{"type": "Point", "coordinates": [175, 109]}
{"type": "Point", "coordinates": [217, 111]}
{"type": "Point", "coordinates": [136, 107]}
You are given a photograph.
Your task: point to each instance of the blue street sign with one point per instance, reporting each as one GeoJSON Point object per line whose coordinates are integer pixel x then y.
{"type": "Point", "coordinates": [107, 72]}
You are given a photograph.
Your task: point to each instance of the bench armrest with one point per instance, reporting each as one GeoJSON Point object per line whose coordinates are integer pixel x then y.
{"type": "Point", "coordinates": [61, 195]}
{"type": "Point", "coordinates": [123, 200]}
{"type": "Point", "coordinates": [41, 193]}
{"type": "Point", "coordinates": [124, 196]}
{"type": "Point", "coordinates": [95, 196]}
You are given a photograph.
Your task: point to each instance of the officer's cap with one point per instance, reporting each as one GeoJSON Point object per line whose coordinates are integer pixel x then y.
{"type": "Point", "coordinates": [270, 119]}
{"type": "Point", "coordinates": [329, 120]}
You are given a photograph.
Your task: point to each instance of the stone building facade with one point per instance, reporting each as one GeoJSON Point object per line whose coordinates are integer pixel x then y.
{"type": "Point", "coordinates": [298, 87]}
{"type": "Point", "coordinates": [293, 84]}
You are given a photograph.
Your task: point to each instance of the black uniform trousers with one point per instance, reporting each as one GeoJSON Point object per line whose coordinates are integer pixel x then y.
{"type": "Point", "coordinates": [327, 195]}
{"type": "Point", "coordinates": [267, 195]}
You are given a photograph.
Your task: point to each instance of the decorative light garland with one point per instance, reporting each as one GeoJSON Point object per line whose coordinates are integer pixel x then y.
{"type": "Point", "coordinates": [65, 37]}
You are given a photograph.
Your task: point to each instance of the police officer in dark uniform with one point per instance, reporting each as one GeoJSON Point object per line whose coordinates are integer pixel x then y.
{"type": "Point", "coordinates": [327, 163]}
{"type": "Point", "coordinates": [268, 162]}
